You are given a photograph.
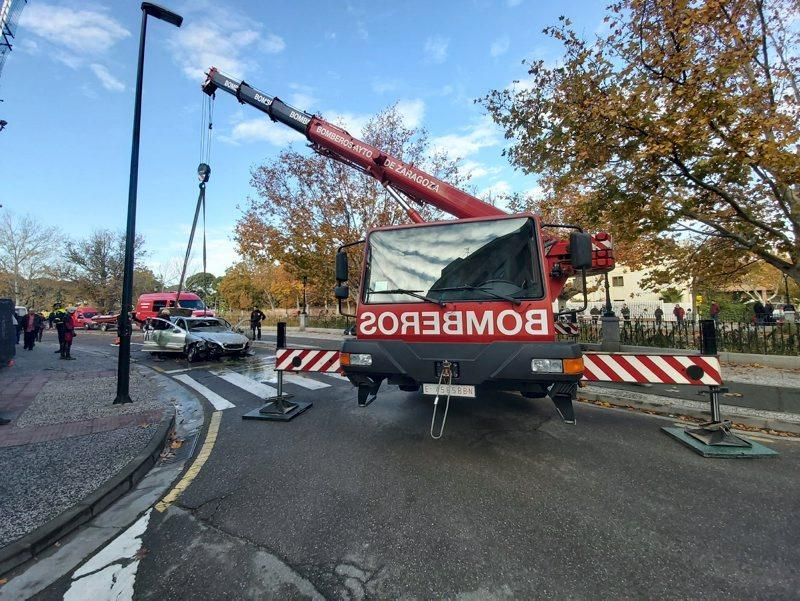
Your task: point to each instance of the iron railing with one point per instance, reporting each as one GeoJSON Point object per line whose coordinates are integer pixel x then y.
{"type": "Point", "coordinates": [734, 337]}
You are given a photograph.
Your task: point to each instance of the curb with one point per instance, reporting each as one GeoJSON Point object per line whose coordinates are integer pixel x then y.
{"type": "Point", "coordinates": [30, 545]}
{"type": "Point", "coordinates": [670, 406]}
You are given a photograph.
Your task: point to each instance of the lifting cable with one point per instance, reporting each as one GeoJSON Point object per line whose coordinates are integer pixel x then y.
{"type": "Point", "coordinates": [203, 173]}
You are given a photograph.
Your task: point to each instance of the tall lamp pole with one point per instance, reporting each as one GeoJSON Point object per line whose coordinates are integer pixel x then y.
{"type": "Point", "coordinates": [305, 305]}
{"type": "Point", "coordinates": [124, 362]}
{"type": "Point", "coordinates": [786, 289]}
{"type": "Point", "coordinates": [609, 312]}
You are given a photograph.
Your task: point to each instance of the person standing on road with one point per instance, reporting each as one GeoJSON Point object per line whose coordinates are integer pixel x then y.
{"type": "Point", "coordinates": [30, 326]}
{"type": "Point", "coordinates": [41, 326]}
{"type": "Point", "coordinates": [58, 319]}
{"type": "Point", "coordinates": [256, 316]}
{"type": "Point", "coordinates": [69, 334]}
{"type": "Point", "coordinates": [659, 315]}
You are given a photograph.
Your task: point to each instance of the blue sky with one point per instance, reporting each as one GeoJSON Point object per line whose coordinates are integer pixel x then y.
{"type": "Point", "coordinates": [68, 98]}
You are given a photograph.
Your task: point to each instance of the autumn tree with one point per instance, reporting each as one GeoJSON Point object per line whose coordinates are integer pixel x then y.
{"type": "Point", "coordinates": [307, 205]}
{"type": "Point", "coordinates": [27, 249]}
{"type": "Point", "coordinates": [679, 122]}
{"type": "Point", "coordinates": [248, 284]}
{"type": "Point", "coordinates": [96, 264]}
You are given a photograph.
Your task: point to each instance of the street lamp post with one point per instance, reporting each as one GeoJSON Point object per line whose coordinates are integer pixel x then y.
{"type": "Point", "coordinates": [609, 312]}
{"type": "Point", "coordinates": [305, 305]}
{"type": "Point", "coordinates": [786, 289]}
{"type": "Point", "coordinates": [124, 362]}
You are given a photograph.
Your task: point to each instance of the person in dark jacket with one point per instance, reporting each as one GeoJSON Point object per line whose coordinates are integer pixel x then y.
{"type": "Point", "coordinates": [58, 319]}
{"type": "Point", "coordinates": [256, 316]}
{"type": "Point", "coordinates": [30, 328]}
{"type": "Point", "coordinates": [758, 310]}
{"type": "Point", "coordinates": [659, 315]}
{"type": "Point", "coordinates": [69, 334]}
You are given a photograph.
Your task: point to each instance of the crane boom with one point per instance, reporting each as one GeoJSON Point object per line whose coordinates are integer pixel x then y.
{"type": "Point", "coordinates": [337, 143]}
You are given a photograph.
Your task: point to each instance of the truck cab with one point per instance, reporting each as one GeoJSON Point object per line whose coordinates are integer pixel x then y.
{"type": "Point", "coordinates": [470, 299]}
{"type": "Point", "coordinates": [150, 305]}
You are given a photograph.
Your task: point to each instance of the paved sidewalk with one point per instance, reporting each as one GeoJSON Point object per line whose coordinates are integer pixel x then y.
{"type": "Point", "coordinates": [68, 451]}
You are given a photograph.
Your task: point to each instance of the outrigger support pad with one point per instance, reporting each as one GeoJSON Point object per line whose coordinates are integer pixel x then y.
{"type": "Point", "coordinates": [716, 432]}
{"type": "Point", "coordinates": [276, 408]}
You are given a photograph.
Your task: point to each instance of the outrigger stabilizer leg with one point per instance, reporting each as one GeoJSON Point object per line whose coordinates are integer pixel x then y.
{"type": "Point", "coordinates": [368, 393]}
{"type": "Point", "coordinates": [716, 432]}
{"type": "Point", "coordinates": [562, 394]}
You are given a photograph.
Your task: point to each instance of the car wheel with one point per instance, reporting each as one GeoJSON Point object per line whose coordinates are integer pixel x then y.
{"type": "Point", "coordinates": [86, 326]}
{"type": "Point", "coordinates": [103, 327]}
{"type": "Point", "coordinates": [193, 354]}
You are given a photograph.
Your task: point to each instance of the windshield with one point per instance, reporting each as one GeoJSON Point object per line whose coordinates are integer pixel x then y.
{"type": "Point", "coordinates": [207, 325]}
{"type": "Point", "coordinates": [89, 314]}
{"type": "Point", "coordinates": [454, 261]}
{"type": "Point", "coordinates": [191, 304]}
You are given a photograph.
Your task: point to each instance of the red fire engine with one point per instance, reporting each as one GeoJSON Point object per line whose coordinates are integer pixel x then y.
{"type": "Point", "coordinates": [456, 307]}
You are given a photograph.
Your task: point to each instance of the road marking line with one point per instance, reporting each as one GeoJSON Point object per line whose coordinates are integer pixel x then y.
{"type": "Point", "coordinates": [337, 376]}
{"type": "Point", "coordinates": [197, 465]}
{"type": "Point", "coordinates": [178, 371]}
{"type": "Point", "coordinates": [249, 384]}
{"type": "Point", "coordinates": [304, 382]}
{"type": "Point", "coordinates": [219, 402]}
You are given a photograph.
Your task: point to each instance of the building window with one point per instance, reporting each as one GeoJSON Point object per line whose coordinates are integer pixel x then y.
{"type": "Point", "coordinates": [616, 281]}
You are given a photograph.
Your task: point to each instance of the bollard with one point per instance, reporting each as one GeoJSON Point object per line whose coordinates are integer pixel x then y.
{"type": "Point", "coordinates": [708, 337]}
{"type": "Point", "coordinates": [281, 343]}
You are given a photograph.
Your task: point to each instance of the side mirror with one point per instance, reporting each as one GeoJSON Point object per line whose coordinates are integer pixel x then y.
{"type": "Point", "coordinates": [580, 250]}
{"type": "Point", "coordinates": [341, 292]}
{"type": "Point", "coordinates": [342, 271]}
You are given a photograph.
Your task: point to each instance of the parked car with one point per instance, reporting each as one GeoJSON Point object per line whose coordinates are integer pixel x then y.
{"type": "Point", "coordinates": [105, 322]}
{"type": "Point", "coordinates": [196, 337]}
{"type": "Point", "coordinates": [150, 304]}
{"type": "Point", "coordinates": [83, 317]}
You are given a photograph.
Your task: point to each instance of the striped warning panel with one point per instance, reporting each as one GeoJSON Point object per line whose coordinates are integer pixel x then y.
{"type": "Point", "coordinates": [287, 359]}
{"type": "Point", "coordinates": [655, 369]}
{"type": "Point", "coordinates": [567, 328]}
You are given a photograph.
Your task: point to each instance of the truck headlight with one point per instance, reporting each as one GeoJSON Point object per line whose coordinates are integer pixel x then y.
{"type": "Point", "coordinates": [362, 359]}
{"type": "Point", "coordinates": [547, 366]}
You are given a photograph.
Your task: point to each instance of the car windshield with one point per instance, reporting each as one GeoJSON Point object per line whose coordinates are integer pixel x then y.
{"type": "Point", "coordinates": [479, 260]}
{"type": "Point", "coordinates": [191, 304]}
{"type": "Point", "coordinates": [207, 325]}
{"type": "Point", "coordinates": [89, 314]}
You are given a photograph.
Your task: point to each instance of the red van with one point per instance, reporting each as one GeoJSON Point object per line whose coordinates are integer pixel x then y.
{"type": "Point", "coordinates": [151, 303]}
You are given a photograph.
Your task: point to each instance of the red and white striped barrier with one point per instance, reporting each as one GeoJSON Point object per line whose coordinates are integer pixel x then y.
{"type": "Point", "coordinates": [287, 359]}
{"type": "Point", "coordinates": [653, 369]}
{"type": "Point", "coordinates": [567, 328]}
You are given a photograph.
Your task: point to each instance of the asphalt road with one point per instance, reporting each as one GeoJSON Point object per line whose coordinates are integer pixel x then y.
{"type": "Point", "coordinates": [350, 503]}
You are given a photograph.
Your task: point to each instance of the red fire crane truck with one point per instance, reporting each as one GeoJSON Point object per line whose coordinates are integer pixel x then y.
{"type": "Point", "coordinates": [459, 307]}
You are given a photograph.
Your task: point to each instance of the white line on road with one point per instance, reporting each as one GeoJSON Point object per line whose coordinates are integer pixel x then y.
{"type": "Point", "coordinates": [304, 382]}
{"type": "Point", "coordinates": [250, 385]}
{"type": "Point", "coordinates": [219, 402]}
{"type": "Point", "coordinates": [335, 375]}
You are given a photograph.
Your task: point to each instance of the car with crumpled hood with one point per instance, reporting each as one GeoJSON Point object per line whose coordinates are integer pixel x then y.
{"type": "Point", "coordinates": [196, 337]}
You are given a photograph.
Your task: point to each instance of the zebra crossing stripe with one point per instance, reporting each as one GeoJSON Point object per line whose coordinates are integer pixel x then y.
{"type": "Point", "coordinates": [249, 384]}
{"type": "Point", "coordinates": [655, 369]}
{"type": "Point", "coordinates": [219, 402]}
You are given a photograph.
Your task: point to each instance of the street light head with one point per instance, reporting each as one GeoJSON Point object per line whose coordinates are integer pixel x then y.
{"type": "Point", "coordinates": [159, 12]}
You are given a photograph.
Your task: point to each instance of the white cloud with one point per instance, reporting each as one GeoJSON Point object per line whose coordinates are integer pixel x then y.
{"type": "Point", "coordinates": [500, 46]}
{"type": "Point", "coordinates": [354, 123]}
{"type": "Point", "coordinates": [381, 86]}
{"type": "Point", "coordinates": [476, 170]}
{"type": "Point", "coordinates": [272, 44]}
{"type": "Point", "coordinates": [496, 189]}
{"type": "Point", "coordinates": [482, 134]}
{"type": "Point", "coordinates": [436, 49]}
{"type": "Point", "coordinates": [224, 39]}
{"type": "Point", "coordinates": [109, 82]}
{"type": "Point", "coordinates": [302, 97]}
{"type": "Point", "coordinates": [262, 130]}
{"type": "Point", "coordinates": [413, 112]}
{"type": "Point", "coordinates": [81, 31]}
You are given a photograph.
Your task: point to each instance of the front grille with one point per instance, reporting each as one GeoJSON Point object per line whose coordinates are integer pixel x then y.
{"type": "Point", "coordinates": [233, 347]}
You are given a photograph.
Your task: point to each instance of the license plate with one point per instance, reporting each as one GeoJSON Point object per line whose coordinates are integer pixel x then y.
{"type": "Point", "coordinates": [464, 390]}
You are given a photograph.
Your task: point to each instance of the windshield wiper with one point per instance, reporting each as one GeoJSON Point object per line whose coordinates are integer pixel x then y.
{"type": "Point", "coordinates": [414, 293]}
{"type": "Point", "coordinates": [510, 299]}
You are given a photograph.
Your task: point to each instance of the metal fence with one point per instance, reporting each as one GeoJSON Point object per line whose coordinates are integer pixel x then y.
{"type": "Point", "coordinates": [734, 337]}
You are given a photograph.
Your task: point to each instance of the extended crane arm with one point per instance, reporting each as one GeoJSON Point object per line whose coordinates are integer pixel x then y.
{"type": "Point", "coordinates": [333, 141]}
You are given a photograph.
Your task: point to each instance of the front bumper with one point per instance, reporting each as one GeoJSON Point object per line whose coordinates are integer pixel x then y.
{"type": "Point", "coordinates": [497, 365]}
